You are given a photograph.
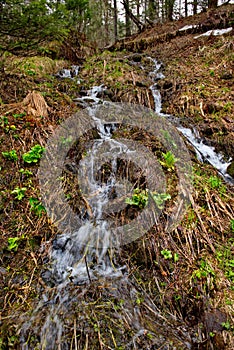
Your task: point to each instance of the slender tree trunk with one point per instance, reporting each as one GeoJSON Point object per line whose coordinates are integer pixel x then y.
{"type": "Point", "coordinates": [212, 3]}
{"type": "Point", "coordinates": [145, 9]}
{"type": "Point", "coordinates": [138, 9]}
{"type": "Point", "coordinates": [130, 15]}
{"type": "Point", "coordinates": [106, 19]}
{"type": "Point", "coordinates": [195, 7]}
{"type": "Point", "coordinates": [180, 8]}
{"type": "Point", "coordinates": [127, 18]}
{"type": "Point", "coordinates": [169, 4]}
{"type": "Point", "coordinates": [115, 20]}
{"type": "Point", "coordinates": [186, 8]}
{"type": "Point", "coordinates": [151, 9]}
{"type": "Point", "coordinates": [163, 9]}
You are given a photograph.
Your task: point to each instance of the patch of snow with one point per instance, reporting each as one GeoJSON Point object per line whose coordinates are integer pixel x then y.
{"type": "Point", "coordinates": [190, 26]}
{"type": "Point", "coordinates": [215, 32]}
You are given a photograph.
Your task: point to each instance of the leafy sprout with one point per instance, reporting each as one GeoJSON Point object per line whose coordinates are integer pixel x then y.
{"type": "Point", "coordinates": [34, 155]}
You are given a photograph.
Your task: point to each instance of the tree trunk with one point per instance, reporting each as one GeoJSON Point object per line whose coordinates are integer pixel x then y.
{"type": "Point", "coordinates": [212, 3]}
{"type": "Point", "coordinates": [169, 4]}
{"type": "Point", "coordinates": [138, 9]}
{"type": "Point", "coordinates": [115, 20]}
{"type": "Point", "coordinates": [127, 18]}
{"type": "Point", "coordinates": [130, 15]}
{"type": "Point", "coordinates": [186, 8]}
{"type": "Point", "coordinates": [151, 9]}
{"type": "Point", "coordinates": [106, 19]}
{"type": "Point", "coordinates": [195, 7]}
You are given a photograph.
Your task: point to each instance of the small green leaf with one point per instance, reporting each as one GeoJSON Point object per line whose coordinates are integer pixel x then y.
{"type": "Point", "coordinates": [13, 243]}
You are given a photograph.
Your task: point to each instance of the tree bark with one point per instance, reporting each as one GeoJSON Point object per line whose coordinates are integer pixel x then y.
{"type": "Point", "coordinates": [130, 15]}
{"type": "Point", "coordinates": [169, 4]}
{"type": "Point", "coordinates": [212, 3]}
{"type": "Point", "coordinates": [186, 8]}
{"type": "Point", "coordinates": [127, 17]}
{"type": "Point", "coordinates": [115, 20]}
{"type": "Point", "coordinates": [151, 9]}
{"type": "Point", "coordinates": [195, 7]}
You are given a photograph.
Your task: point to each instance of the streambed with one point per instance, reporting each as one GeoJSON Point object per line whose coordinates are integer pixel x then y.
{"type": "Point", "coordinates": [92, 290]}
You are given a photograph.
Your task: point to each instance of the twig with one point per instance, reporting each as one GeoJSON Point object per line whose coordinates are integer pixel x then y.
{"type": "Point", "coordinates": [87, 269]}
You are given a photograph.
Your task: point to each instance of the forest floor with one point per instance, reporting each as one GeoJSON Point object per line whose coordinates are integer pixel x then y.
{"type": "Point", "coordinates": [193, 285]}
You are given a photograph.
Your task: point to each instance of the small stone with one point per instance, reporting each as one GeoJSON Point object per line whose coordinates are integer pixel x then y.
{"type": "Point", "coordinates": [226, 76]}
{"type": "Point", "coordinates": [60, 243]}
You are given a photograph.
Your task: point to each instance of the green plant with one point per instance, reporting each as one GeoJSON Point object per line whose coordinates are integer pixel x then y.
{"type": "Point", "coordinates": [30, 72]}
{"type": "Point", "coordinates": [25, 172]}
{"type": "Point", "coordinates": [4, 121]}
{"type": "Point", "coordinates": [168, 138]}
{"type": "Point", "coordinates": [167, 254]}
{"type": "Point", "coordinates": [203, 271]}
{"type": "Point", "coordinates": [13, 243]}
{"type": "Point", "coordinates": [34, 155]}
{"type": "Point", "coordinates": [169, 160]}
{"type": "Point", "coordinates": [36, 206]}
{"type": "Point", "coordinates": [226, 261]}
{"type": "Point", "coordinates": [66, 140]}
{"type": "Point", "coordinates": [227, 107]}
{"type": "Point", "coordinates": [160, 198]}
{"type": "Point", "coordinates": [19, 192]}
{"type": "Point", "coordinates": [214, 182]}
{"type": "Point", "coordinates": [20, 115]}
{"type": "Point", "coordinates": [139, 198]}
{"type": "Point", "coordinates": [232, 225]}
{"type": "Point", "coordinates": [212, 73]}
{"type": "Point", "coordinates": [226, 325]}
{"type": "Point", "coordinates": [10, 155]}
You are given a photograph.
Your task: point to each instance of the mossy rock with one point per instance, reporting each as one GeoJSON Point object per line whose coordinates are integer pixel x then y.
{"type": "Point", "coordinates": [34, 66]}
{"type": "Point", "coordinates": [230, 169]}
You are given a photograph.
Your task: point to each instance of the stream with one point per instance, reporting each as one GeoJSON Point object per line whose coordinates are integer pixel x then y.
{"type": "Point", "coordinates": [204, 152]}
{"type": "Point", "coordinates": [84, 277]}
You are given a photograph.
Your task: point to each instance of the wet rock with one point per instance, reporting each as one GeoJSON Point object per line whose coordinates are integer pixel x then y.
{"type": "Point", "coordinates": [165, 85]}
{"type": "Point", "coordinates": [3, 271]}
{"type": "Point", "coordinates": [109, 93]}
{"type": "Point", "coordinates": [211, 108]}
{"type": "Point", "coordinates": [226, 76]}
{"type": "Point", "coordinates": [228, 120]}
{"type": "Point", "coordinates": [213, 320]}
{"type": "Point", "coordinates": [46, 275]}
{"type": "Point", "coordinates": [141, 84]}
{"type": "Point", "coordinates": [230, 169]}
{"type": "Point", "coordinates": [71, 167]}
{"type": "Point", "coordinates": [60, 243]}
{"type": "Point", "coordinates": [136, 57]}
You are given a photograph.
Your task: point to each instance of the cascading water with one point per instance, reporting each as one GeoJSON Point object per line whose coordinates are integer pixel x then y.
{"type": "Point", "coordinates": [68, 73]}
{"type": "Point", "coordinates": [78, 258]}
{"type": "Point", "coordinates": [204, 152]}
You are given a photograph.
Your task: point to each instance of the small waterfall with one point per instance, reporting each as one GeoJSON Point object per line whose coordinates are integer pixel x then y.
{"type": "Point", "coordinates": [70, 73]}
{"type": "Point", "coordinates": [204, 152]}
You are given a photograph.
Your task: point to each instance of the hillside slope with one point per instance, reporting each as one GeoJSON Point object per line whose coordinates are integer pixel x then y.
{"type": "Point", "coordinates": [177, 287]}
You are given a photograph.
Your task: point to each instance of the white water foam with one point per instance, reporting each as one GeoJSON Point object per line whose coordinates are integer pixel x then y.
{"type": "Point", "coordinates": [203, 151]}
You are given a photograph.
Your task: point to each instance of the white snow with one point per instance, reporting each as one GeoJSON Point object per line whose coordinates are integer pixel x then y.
{"type": "Point", "coordinates": [191, 26]}
{"type": "Point", "coordinates": [215, 32]}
